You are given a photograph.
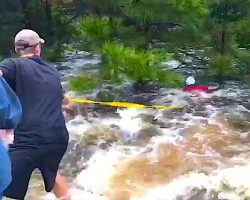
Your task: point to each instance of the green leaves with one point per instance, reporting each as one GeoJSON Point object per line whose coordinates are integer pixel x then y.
{"type": "Point", "coordinates": [123, 63]}
{"type": "Point", "coordinates": [230, 11]}
{"type": "Point", "coordinates": [94, 31]}
{"type": "Point", "coordinates": [124, 31]}
{"type": "Point", "coordinates": [84, 83]}
{"type": "Point", "coordinates": [222, 63]}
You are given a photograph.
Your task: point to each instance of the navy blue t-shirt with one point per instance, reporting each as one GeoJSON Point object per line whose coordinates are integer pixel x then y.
{"type": "Point", "coordinates": [38, 86]}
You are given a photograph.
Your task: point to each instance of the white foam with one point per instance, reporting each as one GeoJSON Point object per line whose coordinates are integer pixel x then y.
{"type": "Point", "coordinates": [180, 187]}
{"type": "Point", "coordinates": [129, 123]}
{"type": "Point", "coordinates": [101, 166]}
{"type": "Point", "coordinates": [230, 184]}
{"type": "Point", "coordinates": [77, 194]}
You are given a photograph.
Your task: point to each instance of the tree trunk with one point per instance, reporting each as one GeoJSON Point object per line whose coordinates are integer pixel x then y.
{"type": "Point", "coordinates": [27, 21]}
{"type": "Point", "coordinates": [48, 12]}
{"type": "Point", "coordinates": [223, 42]}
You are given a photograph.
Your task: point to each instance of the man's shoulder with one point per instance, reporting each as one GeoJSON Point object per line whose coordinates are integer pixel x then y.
{"type": "Point", "coordinates": [8, 61]}
{"type": "Point", "coordinates": [44, 62]}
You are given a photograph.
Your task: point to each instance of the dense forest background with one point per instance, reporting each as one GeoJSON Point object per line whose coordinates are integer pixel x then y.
{"type": "Point", "coordinates": [135, 37]}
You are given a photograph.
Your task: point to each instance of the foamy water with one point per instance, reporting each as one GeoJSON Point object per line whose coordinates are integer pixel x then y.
{"type": "Point", "coordinates": [167, 155]}
{"type": "Point", "coordinates": [199, 153]}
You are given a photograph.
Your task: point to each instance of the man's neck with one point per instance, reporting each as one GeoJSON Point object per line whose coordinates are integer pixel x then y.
{"type": "Point", "coordinates": [28, 55]}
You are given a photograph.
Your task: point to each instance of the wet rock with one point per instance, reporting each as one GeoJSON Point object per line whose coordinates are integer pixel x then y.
{"type": "Point", "coordinates": [84, 147]}
{"type": "Point", "coordinates": [106, 95]}
{"type": "Point", "coordinates": [239, 124]}
{"type": "Point", "coordinates": [204, 122]}
{"type": "Point", "coordinates": [147, 150]}
{"type": "Point", "coordinates": [146, 117]}
{"type": "Point", "coordinates": [95, 134]}
{"type": "Point", "coordinates": [145, 134]}
{"type": "Point", "coordinates": [115, 126]}
{"type": "Point", "coordinates": [188, 110]}
{"type": "Point", "coordinates": [144, 98]}
{"type": "Point", "coordinates": [245, 136]}
{"type": "Point", "coordinates": [70, 110]}
{"type": "Point", "coordinates": [163, 123]}
{"type": "Point", "coordinates": [178, 125]}
{"type": "Point", "coordinates": [200, 114]}
{"type": "Point", "coordinates": [149, 131]}
{"type": "Point", "coordinates": [168, 114]}
{"type": "Point", "coordinates": [173, 64]}
{"type": "Point", "coordinates": [200, 108]}
{"type": "Point", "coordinates": [77, 120]}
{"type": "Point", "coordinates": [86, 153]}
{"type": "Point", "coordinates": [246, 105]}
{"type": "Point", "coordinates": [72, 156]}
{"type": "Point", "coordinates": [103, 145]}
{"type": "Point", "coordinates": [62, 67]}
{"type": "Point", "coordinates": [83, 110]}
{"type": "Point", "coordinates": [199, 194]}
{"type": "Point", "coordinates": [147, 87]}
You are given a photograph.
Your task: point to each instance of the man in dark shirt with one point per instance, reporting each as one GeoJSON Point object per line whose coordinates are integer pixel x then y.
{"type": "Point", "coordinates": [41, 139]}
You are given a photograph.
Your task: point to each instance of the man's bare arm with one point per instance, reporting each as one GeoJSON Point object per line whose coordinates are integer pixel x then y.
{"type": "Point", "coordinates": [1, 73]}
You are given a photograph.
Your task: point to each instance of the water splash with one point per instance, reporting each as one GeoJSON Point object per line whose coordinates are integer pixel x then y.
{"type": "Point", "coordinates": [201, 152]}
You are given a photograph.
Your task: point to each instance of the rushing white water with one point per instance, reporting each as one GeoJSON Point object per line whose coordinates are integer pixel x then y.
{"type": "Point", "coordinates": [196, 137]}
{"type": "Point", "coordinates": [198, 153]}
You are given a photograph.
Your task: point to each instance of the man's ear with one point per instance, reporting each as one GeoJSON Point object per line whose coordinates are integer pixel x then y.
{"type": "Point", "coordinates": [38, 49]}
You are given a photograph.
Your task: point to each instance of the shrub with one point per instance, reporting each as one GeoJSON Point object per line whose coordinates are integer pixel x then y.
{"type": "Point", "coordinates": [84, 83]}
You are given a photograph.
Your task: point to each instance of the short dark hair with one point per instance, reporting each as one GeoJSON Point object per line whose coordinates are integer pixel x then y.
{"type": "Point", "coordinates": [24, 48]}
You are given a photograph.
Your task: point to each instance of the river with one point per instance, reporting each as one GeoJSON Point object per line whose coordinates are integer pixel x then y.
{"type": "Point", "coordinates": [201, 152]}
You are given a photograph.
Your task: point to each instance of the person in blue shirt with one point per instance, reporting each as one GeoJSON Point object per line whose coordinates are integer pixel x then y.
{"type": "Point", "coordinates": [5, 169]}
{"type": "Point", "coordinates": [10, 116]}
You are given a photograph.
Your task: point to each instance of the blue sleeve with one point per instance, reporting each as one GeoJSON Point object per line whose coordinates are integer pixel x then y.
{"type": "Point", "coordinates": [10, 107]}
{"type": "Point", "coordinates": [5, 169]}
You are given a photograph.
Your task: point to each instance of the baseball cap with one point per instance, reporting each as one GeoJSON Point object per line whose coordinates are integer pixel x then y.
{"type": "Point", "coordinates": [28, 37]}
{"type": "Point", "coordinates": [190, 80]}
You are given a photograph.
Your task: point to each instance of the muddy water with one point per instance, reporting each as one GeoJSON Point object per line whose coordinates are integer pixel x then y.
{"type": "Point", "coordinates": [186, 152]}
{"type": "Point", "coordinates": [199, 152]}
{"type": "Point", "coordinates": [142, 150]}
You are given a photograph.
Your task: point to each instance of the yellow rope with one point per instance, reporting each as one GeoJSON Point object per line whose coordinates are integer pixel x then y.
{"type": "Point", "coordinates": [124, 104]}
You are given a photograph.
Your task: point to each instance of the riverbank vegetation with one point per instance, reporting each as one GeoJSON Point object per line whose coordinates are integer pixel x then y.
{"type": "Point", "coordinates": [135, 37]}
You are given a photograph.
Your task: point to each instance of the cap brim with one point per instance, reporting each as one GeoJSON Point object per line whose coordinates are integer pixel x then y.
{"type": "Point", "coordinates": [42, 40]}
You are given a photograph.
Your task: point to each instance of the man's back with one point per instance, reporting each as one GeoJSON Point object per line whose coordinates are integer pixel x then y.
{"type": "Point", "coordinates": [41, 139]}
{"type": "Point", "coordinates": [38, 87]}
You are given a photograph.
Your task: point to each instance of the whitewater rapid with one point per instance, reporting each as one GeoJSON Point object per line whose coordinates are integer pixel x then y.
{"type": "Point", "coordinates": [167, 155]}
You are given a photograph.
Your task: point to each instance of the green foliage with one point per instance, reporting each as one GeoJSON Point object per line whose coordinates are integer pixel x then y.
{"type": "Point", "coordinates": [156, 19]}
{"type": "Point", "coordinates": [242, 34]}
{"type": "Point", "coordinates": [62, 27]}
{"type": "Point", "coordinates": [114, 61]}
{"type": "Point", "coordinates": [9, 25]}
{"type": "Point", "coordinates": [225, 29]}
{"type": "Point", "coordinates": [138, 65]}
{"type": "Point", "coordinates": [222, 63]}
{"type": "Point", "coordinates": [53, 53]}
{"type": "Point", "coordinates": [222, 26]}
{"type": "Point", "coordinates": [230, 11]}
{"type": "Point", "coordinates": [44, 16]}
{"type": "Point", "coordinates": [94, 31]}
{"type": "Point", "coordinates": [243, 58]}
{"type": "Point", "coordinates": [84, 83]}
